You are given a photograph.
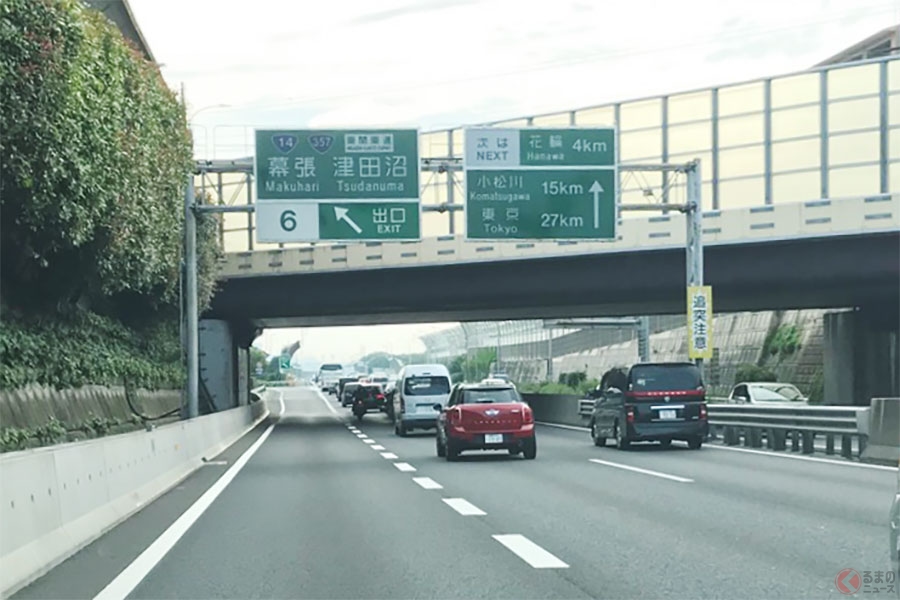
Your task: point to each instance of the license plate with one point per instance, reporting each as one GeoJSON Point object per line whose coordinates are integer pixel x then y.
{"type": "Point", "coordinates": [667, 414]}
{"type": "Point", "coordinates": [493, 438]}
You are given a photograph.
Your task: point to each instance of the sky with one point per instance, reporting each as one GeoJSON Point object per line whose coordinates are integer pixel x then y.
{"type": "Point", "coordinates": [435, 64]}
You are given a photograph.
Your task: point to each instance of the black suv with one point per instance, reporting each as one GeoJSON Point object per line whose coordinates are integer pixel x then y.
{"type": "Point", "coordinates": [370, 394]}
{"type": "Point", "coordinates": [347, 391]}
{"type": "Point", "coordinates": [343, 381]}
{"type": "Point", "coordinates": [651, 402]}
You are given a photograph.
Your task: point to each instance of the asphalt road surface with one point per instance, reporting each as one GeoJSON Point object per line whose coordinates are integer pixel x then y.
{"type": "Point", "coordinates": [317, 505]}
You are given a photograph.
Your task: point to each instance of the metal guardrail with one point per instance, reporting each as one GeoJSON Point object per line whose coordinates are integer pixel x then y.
{"type": "Point", "coordinates": [802, 424]}
{"type": "Point", "coordinates": [774, 425]}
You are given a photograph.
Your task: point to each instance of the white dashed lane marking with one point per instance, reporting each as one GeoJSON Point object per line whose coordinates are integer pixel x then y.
{"type": "Point", "coordinates": [464, 507]}
{"type": "Point", "coordinates": [428, 483]}
{"type": "Point", "coordinates": [530, 552]}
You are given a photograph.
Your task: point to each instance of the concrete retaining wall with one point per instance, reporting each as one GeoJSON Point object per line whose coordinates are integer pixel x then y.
{"type": "Point", "coordinates": [884, 432]}
{"type": "Point", "coordinates": [552, 408]}
{"type": "Point", "coordinates": [56, 500]}
{"type": "Point", "coordinates": [33, 405]}
{"type": "Point", "coordinates": [738, 339]}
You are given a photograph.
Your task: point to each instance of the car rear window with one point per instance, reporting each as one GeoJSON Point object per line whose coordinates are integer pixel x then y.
{"type": "Point", "coordinates": [350, 388]}
{"type": "Point", "coordinates": [775, 392]}
{"type": "Point", "coordinates": [371, 390]}
{"type": "Point", "coordinates": [664, 378]}
{"type": "Point", "coordinates": [490, 396]}
{"type": "Point", "coordinates": [427, 385]}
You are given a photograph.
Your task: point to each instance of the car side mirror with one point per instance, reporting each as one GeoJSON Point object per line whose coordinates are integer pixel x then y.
{"type": "Point", "coordinates": [437, 406]}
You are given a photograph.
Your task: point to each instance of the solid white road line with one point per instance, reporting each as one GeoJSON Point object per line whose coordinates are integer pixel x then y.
{"type": "Point", "coordinates": [644, 471]}
{"type": "Point", "coordinates": [389, 455]}
{"type": "Point", "coordinates": [464, 507]}
{"type": "Point", "coordinates": [830, 461]}
{"type": "Point", "coordinates": [377, 447]}
{"type": "Point", "coordinates": [125, 582]}
{"type": "Point", "coordinates": [326, 402]}
{"type": "Point", "coordinates": [561, 426]}
{"type": "Point", "coordinates": [428, 483]}
{"type": "Point", "coordinates": [843, 463]}
{"type": "Point", "coordinates": [530, 552]}
{"type": "Point", "coordinates": [370, 441]}
{"type": "Point", "coordinates": [405, 467]}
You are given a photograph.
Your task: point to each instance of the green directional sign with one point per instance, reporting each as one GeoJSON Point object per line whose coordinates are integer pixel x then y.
{"type": "Point", "coordinates": [541, 184]}
{"type": "Point", "coordinates": [284, 362]}
{"type": "Point", "coordinates": [540, 204]}
{"type": "Point", "coordinates": [299, 171]}
{"type": "Point", "coordinates": [370, 220]}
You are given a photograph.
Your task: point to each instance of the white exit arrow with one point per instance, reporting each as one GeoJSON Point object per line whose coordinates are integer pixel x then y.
{"type": "Point", "coordinates": [596, 190]}
{"type": "Point", "coordinates": [341, 215]}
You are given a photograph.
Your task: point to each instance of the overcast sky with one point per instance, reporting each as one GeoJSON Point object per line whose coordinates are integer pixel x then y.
{"type": "Point", "coordinates": [444, 63]}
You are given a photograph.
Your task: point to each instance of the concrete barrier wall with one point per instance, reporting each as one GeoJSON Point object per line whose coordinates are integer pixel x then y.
{"type": "Point", "coordinates": [884, 432]}
{"type": "Point", "coordinates": [552, 408]}
{"type": "Point", "coordinates": [56, 500]}
{"type": "Point", "coordinates": [33, 405]}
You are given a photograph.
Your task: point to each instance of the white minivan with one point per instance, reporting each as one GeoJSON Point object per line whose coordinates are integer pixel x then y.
{"type": "Point", "coordinates": [419, 388]}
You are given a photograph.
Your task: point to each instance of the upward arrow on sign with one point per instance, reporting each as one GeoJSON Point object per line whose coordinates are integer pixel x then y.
{"type": "Point", "coordinates": [596, 190]}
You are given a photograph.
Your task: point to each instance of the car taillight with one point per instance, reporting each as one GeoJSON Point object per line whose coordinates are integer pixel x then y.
{"type": "Point", "coordinates": [379, 397]}
{"type": "Point", "coordinates": [528, 416]}
{"type": "Point", "coordinates": [703, 412]}
{"type": "Point", "coordinates": [629, 413]}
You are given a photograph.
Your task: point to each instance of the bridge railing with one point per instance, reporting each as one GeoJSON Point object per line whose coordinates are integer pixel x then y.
{"type": "Point", "coordinates": [800, 219]}
{"type": "Point", "coordinates": [828, 132]}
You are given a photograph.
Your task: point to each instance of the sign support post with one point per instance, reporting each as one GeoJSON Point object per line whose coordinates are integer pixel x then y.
{"type": "Point", "coordinates": [191, 313]}
{"type": "Point", "coordinates": [694, 214]}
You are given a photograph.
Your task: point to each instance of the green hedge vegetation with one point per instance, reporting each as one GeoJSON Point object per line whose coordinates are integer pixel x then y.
{"type": "Point", "coordinates": [84, 348]}
{"type": "Point", "coordinates": [94, 154]}
{"type": "Point", "coordinates": [574, 384]}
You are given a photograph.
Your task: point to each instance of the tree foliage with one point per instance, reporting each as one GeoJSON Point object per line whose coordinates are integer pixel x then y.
{"type": "Point", "coordinates": [748, 373]}
{"type": "Point", "coordinates": [94, 155]}
{"type": "Point", "coordinates": [472, 367]}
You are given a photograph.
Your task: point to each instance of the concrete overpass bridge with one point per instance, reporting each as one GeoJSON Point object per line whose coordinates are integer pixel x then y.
{"type": "Point", "coordinates": [800, 211]}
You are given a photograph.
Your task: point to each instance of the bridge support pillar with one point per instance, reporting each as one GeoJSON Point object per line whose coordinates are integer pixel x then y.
{"type": "Point", "coordinates": [861, 355]}
{"type": "Point", "coordinates": [224, 364]}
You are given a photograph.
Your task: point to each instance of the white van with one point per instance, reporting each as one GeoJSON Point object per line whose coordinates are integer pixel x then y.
{"type": "Point", "coordinates": [419, 388]}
